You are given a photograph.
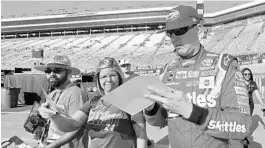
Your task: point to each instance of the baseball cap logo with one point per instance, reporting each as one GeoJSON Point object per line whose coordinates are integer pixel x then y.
{"type": "Point", "coordinates": [172, 15]}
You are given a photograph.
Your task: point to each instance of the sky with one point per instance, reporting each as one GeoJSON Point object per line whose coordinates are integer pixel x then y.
{"type": "Point", "coordinates": [22, 8]}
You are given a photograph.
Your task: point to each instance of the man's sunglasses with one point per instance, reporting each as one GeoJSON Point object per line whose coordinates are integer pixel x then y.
{"type": "Point", "coordinates": [56, 71]}
{"type": "Point", "coordinates": [179, 31]}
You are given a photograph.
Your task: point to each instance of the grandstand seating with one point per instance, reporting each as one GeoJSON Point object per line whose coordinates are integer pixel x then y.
{"type": "Point", "coordinates": [144, 54]}
{"type": "Point", "coordinates": [164, 53]}
{"type": "Point", "coordinates": [214, 38]}
{"type": "Point", "coordinates": [128, 50]}
{"type": "Point", "coordinates": [228, 38]}
{"type": "Point", "coordinates": [241, 43]}
{"type": "Point", "coordinates": [143, 48]}
{"type": "Point", "coordinates": [101, 50]}
{"type": "Point", "coordinates": [259, 44]}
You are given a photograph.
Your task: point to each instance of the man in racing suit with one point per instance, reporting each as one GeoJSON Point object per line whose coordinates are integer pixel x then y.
{"type": "Point", "coordinates": [206, 104]}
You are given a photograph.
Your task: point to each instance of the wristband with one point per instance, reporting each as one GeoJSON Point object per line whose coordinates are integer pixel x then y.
{"type": "Point", "coordinates": [198, 115]}
{"type": "Point", "coordinates": [153, 111]}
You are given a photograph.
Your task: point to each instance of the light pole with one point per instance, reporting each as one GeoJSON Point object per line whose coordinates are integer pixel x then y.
{"type": "Point", "coordinates": [200, 11]}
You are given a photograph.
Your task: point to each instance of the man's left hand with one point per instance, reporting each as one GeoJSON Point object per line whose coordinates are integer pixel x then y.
{"type": "Point", "coordinates": [173, 100]}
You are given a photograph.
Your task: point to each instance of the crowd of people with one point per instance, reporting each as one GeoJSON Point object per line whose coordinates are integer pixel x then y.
{"type": "Point", "coordinates": [208, 101]}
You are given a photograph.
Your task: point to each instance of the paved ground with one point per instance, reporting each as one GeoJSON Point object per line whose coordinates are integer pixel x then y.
{"type": "Point", "coordinates": [12, 121]}
{"type": "Point", "coordinates": [12, 124]}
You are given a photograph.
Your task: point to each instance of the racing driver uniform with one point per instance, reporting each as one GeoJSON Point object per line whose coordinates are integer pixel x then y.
{"type": "Point", "coordinates": [215, 86]}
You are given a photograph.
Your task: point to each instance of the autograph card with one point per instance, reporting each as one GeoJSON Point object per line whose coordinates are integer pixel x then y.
{"type": "Point", "coordinates": [129, 97]}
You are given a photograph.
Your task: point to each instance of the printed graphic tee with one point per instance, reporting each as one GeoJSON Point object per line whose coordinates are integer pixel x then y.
{"type": "Point", "coordinates": [70, 100]}
{"type": "Point", "coordinates": [110, 127]}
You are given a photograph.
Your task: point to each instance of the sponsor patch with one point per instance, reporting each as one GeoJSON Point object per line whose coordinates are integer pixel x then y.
{"type": "Point", "coordinates": [240, 84]}
{"type": "Point", "coordinates": [187, 63]}
{"type": "Point", "coordinates": [239, 76]}
{"type": "Point", "coordinates": [172, 83]}
{"type": "Point", "coordinates": [241, 90]}
{"type": "Point", "coordinates": [209, 73]}
{"type": "Point", "coordinates": [206, 82]}
{"type": "Point", "coordinates": [174, 14]}
{"type": "Point", "coordinates": [207, 62]}
{"type": "Point", "coordinates": [236, 67]}
{"type": "Point", "coordinates": [181, 74]}
{"type": "Point", "coordinates": [243, 101]}
{"type": "Point", "coordinates": [193, 74]}
{"type": "Point", "coordinates": [192, 83]}
{"type": "Point", "coordinates": [244, 109]}
{"type": "Point", "coordinates": [207, 68]}
{"type": "Point", "coordinates": [227, 126]}
{"type": "Point", "coordinates": [171, 68]}
{"type": "Point", "coordinates": [226, 60]}
{"type": "Point", "coordinates": [169, 77]}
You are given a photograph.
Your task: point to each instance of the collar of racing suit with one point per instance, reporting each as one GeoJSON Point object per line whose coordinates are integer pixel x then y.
{"type": "Point", "coordinates": [187, 62]}
{"type": "Point", "coordinates": [182, 57]}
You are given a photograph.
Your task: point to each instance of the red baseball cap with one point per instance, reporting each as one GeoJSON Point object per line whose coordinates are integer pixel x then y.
{"type": "Point", "coordinates": [181, 16]}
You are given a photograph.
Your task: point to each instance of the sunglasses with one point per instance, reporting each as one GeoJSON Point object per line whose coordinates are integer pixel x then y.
{"type": "Point", "coordinates": [246, 74]}
{"type": "Point", "coordinates": [125, 65]}
{"type": "Point", "coordinates": [180, 31]}
{"type": "Point", "coordinates": [56, 71]}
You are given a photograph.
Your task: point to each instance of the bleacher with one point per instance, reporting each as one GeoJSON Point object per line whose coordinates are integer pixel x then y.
{"type": "Point", "coordinates": [227, 39]}
{"type": "Point", "coordinates": [240, 44]}
{"type": "Point", "coordinates": [143, 48]}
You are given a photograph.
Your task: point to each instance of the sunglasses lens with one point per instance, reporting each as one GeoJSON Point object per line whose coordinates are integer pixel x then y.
{"type": "Point", "coordinates": [177, 32]}
{"type": "Point", "coordinates": [125, 65]}
{"type": "Point", "coordinates": [56, 70]}
{"type": "Point", "coordinates": [181, 31]}
{"type": "Point", "coordinates": [48, 71]}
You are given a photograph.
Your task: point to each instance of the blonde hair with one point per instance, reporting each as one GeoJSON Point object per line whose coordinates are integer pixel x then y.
{"type": "Point", "coordinates": [107, 62]}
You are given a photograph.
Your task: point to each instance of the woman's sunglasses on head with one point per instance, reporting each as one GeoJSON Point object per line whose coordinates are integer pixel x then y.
{"type": "Point", "coordinates": [179, 31]}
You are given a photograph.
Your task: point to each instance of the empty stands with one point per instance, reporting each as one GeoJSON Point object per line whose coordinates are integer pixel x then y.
{"type": "Point", "coordinates": [227, 39]}
{"type": "Point", "coordinates": [143, 48]}
{"type": "Point", "coordinates": [241, 43]}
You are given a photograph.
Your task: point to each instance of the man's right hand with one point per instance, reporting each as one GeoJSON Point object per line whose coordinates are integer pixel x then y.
{"type": "Point", "coordinates": [45, 112]}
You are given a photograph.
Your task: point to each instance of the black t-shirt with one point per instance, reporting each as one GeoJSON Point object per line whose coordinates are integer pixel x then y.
{"type": "Point", "coordinates": [110, 127]}
{"type": "Point", "coordinates": [252, 86]}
